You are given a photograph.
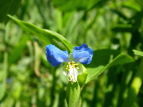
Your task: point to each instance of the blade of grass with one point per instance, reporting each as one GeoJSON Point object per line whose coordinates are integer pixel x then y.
{"type": "Point", "coordinates": [135, 87]}
{"type": "Point", "coordinates": [45, 36]}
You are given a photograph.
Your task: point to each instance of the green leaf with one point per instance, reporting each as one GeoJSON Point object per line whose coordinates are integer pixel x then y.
{"type": "Point", "coordinates": [3, 76]}
{"type": "Point", "coordinates": [133, 4]}
{"type": "Point", "coordinates": [69, 5]}
{"type": "Point", "coordinates": [8, 7]}
{"type": "Point", "coordinates": [3, 89]}
{"type": "Point", "coordinates": [102, 57]}
{"type": "Point", "coordinates": [95, 71]}
{"type": "Point", "coordinates": [139, 53]}
{"type": "Point", "coordinates": [46, 36]}
{"type": "Point", "coordinates": [73, 95]}
{"type": "Point", "coordinates": [120, 14]}
{"type": "Point", "coordinates": [82, 78]}
{"type": "Point", "coordinates": [123, 28]}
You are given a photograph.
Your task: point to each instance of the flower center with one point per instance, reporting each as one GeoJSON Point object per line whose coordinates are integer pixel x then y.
{"type": "Point", "coordinates": [72, 68]}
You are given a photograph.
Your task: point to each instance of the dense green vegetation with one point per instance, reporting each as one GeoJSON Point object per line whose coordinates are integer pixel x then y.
{"type": "Point", "coordinates": [113, 29]}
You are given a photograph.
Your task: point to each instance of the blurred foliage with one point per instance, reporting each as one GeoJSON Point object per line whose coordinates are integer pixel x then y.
{"type": "Point", "coordinates": [114, 29]}
{"type": "Point", "coordinates": [8, 7]}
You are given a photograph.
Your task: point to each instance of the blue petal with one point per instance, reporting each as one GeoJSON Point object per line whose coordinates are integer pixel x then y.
{"type": "Point", "coordinates": [82, 54]}
{"type": "Point", "coordinates": [56, 56]}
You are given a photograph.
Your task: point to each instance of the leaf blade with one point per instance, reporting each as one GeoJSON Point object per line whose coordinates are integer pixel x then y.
{"type": "Point", "coordinates": [45, 36]}
{"type": "Point", "coordinates": [120, 59]}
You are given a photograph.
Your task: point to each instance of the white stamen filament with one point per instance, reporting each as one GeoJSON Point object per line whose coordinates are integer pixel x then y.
{"type": "Point", "coordinates": [72, 74]}
{"type": "Point", "coordinates": [72, 71]}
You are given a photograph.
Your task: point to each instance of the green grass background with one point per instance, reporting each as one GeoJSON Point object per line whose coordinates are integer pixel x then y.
{"type": "Point", "coordinates": [112, 28]}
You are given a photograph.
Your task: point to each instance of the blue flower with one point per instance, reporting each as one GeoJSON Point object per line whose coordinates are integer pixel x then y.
{"type": "Point", "coordinates": [82, 54]}
{"type": "Point", "coordinates": [55, 56]}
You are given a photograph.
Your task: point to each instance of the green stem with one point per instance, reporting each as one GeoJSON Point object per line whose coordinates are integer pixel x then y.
{"type": "Point", "coordinates": [53, 88]}
{"type": "Point", "coordinates": [124, 85]}
{"type": "Point", "coordinates": [73, 95]}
